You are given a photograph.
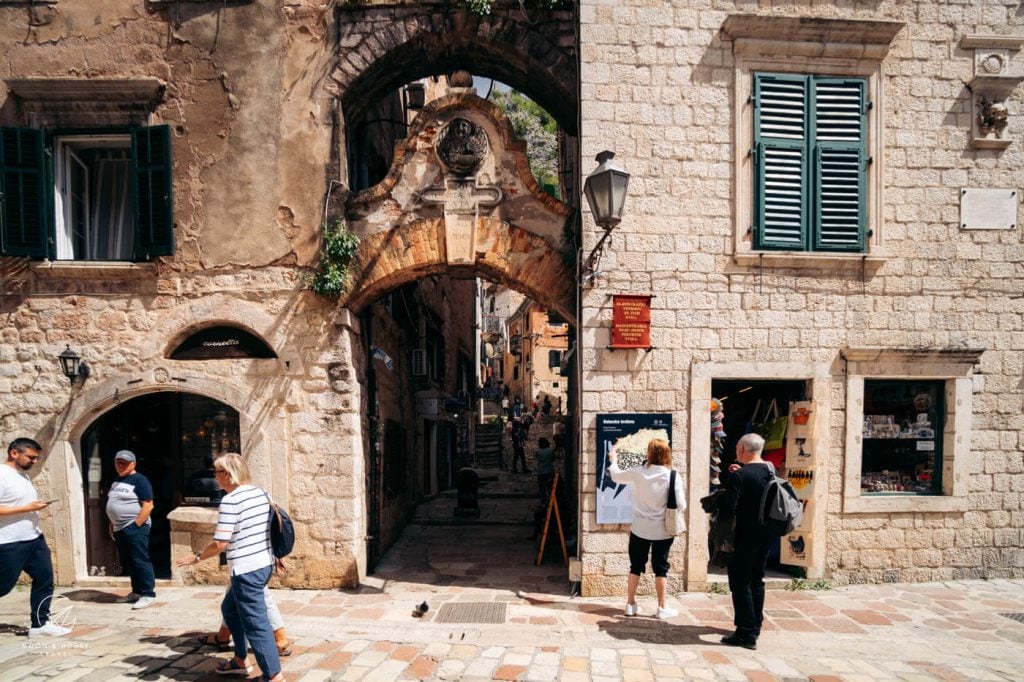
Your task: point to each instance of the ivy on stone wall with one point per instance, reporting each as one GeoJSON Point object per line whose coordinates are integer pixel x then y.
{"type": "Point", "coordinates": [337, 248]}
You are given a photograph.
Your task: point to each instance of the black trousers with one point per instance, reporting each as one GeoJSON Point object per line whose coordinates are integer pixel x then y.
{"type": "Point", "coordinates": [746, 583]}
{"type": "Point", "coordinates": [33, 557]}
{"type": "Point", "coordinates": [518, 458]}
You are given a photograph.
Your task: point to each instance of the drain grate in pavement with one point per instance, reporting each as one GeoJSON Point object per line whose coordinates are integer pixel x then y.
{"type": "Point", "coordinates": [472, 612]}
{"type": "Point", "coordinates": [1019, 617]}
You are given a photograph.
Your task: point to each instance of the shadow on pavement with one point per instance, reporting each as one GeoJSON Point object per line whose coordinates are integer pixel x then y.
{"type": "Point", "coordinates": [94, 596]}
{"type": "Point", "coordinates": [653, 631]}
{"type": "Point", "coordinates": [190, 660]}
{"type": "Point", "coordinates": [12, 629]}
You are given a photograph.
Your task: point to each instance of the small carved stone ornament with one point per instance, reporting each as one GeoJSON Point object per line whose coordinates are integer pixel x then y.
{"type": "Point", "coordinates": [461, 146]}
{"type": "Point", "coordinates": [992, 116]}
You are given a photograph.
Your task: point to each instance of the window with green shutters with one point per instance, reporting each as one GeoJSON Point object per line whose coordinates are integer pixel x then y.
{"type": "Point", "coordinates": [86, 195]}
{"type": "Point", "coordinates": [810, 163]}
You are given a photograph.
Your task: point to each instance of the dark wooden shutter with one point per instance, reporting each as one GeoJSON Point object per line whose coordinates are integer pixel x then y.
{"type": "Point", "coordinates": [840, 133]}
{"type": "Point", "coordinates": [151, 187]}
{"type": "Point", "coordinates": [781, 173]}
{"type": "Point", "coordinates": [23, 210]}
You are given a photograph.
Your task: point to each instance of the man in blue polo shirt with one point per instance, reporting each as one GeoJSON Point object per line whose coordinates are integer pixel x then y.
{"type": "Point", "coordinates": [129, 504]}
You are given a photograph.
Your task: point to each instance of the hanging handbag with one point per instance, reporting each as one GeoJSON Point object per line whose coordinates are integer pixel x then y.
{"type": "Point", "coordinates": [774, 428]}
{"type": "Point", "coordinates": [674, 521]}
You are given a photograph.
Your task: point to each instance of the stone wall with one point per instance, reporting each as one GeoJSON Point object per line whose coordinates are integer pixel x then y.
{"type": "Point", "coordinates": [659, 88]}
{"type": "Point", "coordinates": [249, 186]}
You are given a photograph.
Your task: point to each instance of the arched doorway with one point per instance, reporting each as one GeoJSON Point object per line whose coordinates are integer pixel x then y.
{"type": "Point", "coordinates": [175, 436]}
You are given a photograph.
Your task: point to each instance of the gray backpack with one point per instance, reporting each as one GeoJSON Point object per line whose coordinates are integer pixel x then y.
{"type": "Point", "coordinates": [781, 510]}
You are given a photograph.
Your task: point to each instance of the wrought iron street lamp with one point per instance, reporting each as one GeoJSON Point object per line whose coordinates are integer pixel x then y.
{"type": "Point", "coordinates": [606, 189]}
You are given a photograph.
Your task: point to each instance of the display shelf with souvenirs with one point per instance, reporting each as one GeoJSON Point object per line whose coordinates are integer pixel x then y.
{"type": "Point", "coordinates": [800, 436]}
{"type": "Point", "coordinates": [797, 549]}
{"type": "Point", "coordinates": [902, 453]}
{"type": "Point", "coordinates": [717, 442]}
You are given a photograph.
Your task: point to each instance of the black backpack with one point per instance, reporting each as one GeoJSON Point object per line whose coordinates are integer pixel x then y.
{"type": "Point", "coordinates": [781, 510]}
{"type": "Point", "coordinates": [282, 531]}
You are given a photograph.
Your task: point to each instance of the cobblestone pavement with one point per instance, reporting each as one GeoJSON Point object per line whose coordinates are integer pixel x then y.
{"type": "Point", "coordinates": [948, 631]}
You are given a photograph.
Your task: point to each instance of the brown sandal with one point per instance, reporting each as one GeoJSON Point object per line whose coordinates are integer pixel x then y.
{"type": "Point", "coordinates": [212, 640]}
{"type": "Point", "coordinates": [285, 649]}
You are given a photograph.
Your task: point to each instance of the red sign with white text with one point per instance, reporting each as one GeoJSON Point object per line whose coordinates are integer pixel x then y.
{"type": "Point", "coordinates": [631, 321]}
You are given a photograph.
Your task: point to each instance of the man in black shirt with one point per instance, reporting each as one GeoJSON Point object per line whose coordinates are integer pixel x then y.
{"type": "Point", "coordinates": [742, 501]}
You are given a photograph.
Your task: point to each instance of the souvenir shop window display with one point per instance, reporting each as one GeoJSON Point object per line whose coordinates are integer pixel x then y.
{"type": "Point", "coordinates": [770, 425]}
{"type": "Point", "coordinates": [717, 441]}
{"type": "Point", "coordinates": [902, 437]}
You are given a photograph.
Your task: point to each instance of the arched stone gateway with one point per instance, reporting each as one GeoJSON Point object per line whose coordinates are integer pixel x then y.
{"type": "Point", "coordinates": [383, 47]}
{"type": "Point", "coordinates": [460, 199]}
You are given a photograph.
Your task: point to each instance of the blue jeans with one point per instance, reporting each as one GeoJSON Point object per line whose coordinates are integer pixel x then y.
{"type": "Point", "coordinates": [244, 610]}
{"type": "Point", "coordinates": [133, 546]}
{"type": "Point", "coordinates": [33, 557]}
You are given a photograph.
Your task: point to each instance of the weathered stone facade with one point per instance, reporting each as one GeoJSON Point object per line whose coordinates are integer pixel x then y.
{"type": "Point", "coordinates": [667, 87]}
{"type": "Point", "coordinates": [257, 97]}
{"type": "Point", "coordinates": [262, 100]}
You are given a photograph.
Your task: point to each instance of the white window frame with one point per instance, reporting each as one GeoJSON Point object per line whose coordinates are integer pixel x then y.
{"type": "Point", "coordinates": [65, 154]}
{"type": "Point", "coordinates": [953, 367]}
{"type": "Point", "coordinates": [823, 47]}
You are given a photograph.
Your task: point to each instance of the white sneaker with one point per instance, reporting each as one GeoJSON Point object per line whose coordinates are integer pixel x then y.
{"type": "Point", "coordinates": [48, 629]}
{"type": "Point", "coordinates": [144, 602]}
{"type": "Point", "coordinates": [667, 613]}
{"type": "Point", "coordinates": [632, 609]}
{"type": "Point", "coordinates": [129, 598]}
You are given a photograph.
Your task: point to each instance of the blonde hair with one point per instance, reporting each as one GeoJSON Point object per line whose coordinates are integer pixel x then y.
{"type": "Point", "coordinates": [659, 452]}
{"type": "Point", "coordinates": [235, 466]}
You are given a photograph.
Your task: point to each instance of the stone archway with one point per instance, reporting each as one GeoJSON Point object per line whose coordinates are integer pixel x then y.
{"type": "Point", "coordinates": [477, 211]}
{"type": "Point", "coordinates": [261, 436]}
{"type": "Point", "coordinates": [383, 47]}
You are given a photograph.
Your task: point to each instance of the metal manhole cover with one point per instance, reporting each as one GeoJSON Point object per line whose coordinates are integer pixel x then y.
{"type": "Point", "coordinates": [1019, 617]}
{"type": "Point", "coordinates": [472, 612]}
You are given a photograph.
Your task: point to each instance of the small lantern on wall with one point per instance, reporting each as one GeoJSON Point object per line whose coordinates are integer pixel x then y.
{"type": "Point", "coordinates": [72, 365]}
{"type": "Point", "coordinates": [605, 188]}
{"type": "Point", "coordinates": [606, 191]}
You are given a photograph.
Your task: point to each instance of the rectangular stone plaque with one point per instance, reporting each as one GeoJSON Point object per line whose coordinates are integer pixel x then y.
{"type": "Point", "coordinates": [988, 209]}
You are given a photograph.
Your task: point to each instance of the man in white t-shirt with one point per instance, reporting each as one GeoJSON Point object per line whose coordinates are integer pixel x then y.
{"type": "Point", "coordinates": [22, 545]}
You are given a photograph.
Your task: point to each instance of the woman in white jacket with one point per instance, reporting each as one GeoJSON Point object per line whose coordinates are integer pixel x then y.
{"type": "Point", "coordinates": [647, 535]}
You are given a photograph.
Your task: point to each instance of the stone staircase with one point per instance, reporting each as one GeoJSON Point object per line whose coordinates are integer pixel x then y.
{"type": "Point", "coordinates": [488, 446]}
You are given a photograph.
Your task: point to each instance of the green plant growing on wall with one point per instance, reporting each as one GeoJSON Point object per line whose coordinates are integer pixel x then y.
{"type": "Point", "coordinates": [337, 247]}
{"type": "Point", "coordinates": [538, 130]}
{"type": "Point", "coordinates": [483, 7]}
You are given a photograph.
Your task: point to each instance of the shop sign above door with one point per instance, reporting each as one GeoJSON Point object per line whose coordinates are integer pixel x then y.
{"type": "Point", "coordinates": [216, 343]}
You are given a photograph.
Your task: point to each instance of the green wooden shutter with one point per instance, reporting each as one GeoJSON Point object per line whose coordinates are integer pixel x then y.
{"type": "Point", "coordinates": [840, 152]}
{"type": "Point", "coordinates": [781, 173]}
{"type": "Point", "coordinates": [151, 188]}
{"type": "Point", "coordinates": [23, 210]}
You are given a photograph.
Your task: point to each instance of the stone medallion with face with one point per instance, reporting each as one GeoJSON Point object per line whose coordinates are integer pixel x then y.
{"type": "Point", "coordinates": [461, 146]}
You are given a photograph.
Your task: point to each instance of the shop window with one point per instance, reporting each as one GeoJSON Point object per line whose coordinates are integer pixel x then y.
{"type": "Point", "coordinates": [903, 426]}
{"type": "Point", "coordinates": [808, 138]}
{"type": "Point", "coordinates": [908, 429]}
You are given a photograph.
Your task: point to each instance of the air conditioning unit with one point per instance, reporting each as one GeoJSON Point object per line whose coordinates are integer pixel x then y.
{"type": "Point", "coordinates": [419, 362]}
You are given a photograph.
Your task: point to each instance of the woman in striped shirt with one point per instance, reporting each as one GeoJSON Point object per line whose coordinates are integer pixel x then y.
{"type": "Point", "coordinates": [242, 530]}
